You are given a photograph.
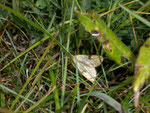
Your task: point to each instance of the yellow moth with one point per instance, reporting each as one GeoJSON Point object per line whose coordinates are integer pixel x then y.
{"type": "Point", "coordinates": [86, 65]}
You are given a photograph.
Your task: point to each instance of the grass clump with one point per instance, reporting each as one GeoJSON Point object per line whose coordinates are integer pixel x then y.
{"type": "Point", "coordinates": [37, 40]}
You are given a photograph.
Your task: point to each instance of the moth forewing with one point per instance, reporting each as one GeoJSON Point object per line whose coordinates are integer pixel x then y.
{"type": "Point", "coordinates": [88, 72]}
{"type": "Point", "coordinates": [86, 65]}
{"type": "Point", "coordinates": [89, 60]}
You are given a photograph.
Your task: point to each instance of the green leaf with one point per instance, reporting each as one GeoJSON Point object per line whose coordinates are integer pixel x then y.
{"type": "Point", "coordinates": [86, 21]}
{"type": "Point", "coordinates": [142, 69]}
{"type": "Point", "coordinates": [109, 101]}
{"type": "Point", "coordinates": [113, 46]}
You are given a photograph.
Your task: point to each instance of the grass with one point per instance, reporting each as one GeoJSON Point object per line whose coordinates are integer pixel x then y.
{"type": "Point", "coordinates": [37, 39]}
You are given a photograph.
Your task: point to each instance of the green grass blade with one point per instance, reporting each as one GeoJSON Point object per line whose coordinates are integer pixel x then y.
{"type": "Point", "coordinates": [38, 77]}
{"type": "Point", "coordinates": [3, 99]}
{"type": "Point", "coordinates": [109, 101]}
{"type": "Point", "coordinates": [14, 93]}
{"type": "Point", "coordinates": [26, 97]}
{"type": "Point", "coordinates": [53, 80]}
{"type": "Point", "coordinates": [35, 25]}
{"type": "Point", "coordinates": [21, 54]}
{"type": "Point", "coordinates": [109, 17]}
{"type": "Point", "coordinates": [30, 77]}
{"type": "Point", "coordinates": [77, 82]}
{"type": "Point", "coordinates": [128, 21]}
{"type": "Point", "coordinates": [24, 18]}
{"type": "Point", "coordinates": [62, 109]}
{"type": "Point", "coordinates": [66, 59]}
{"type": "Point", "coordinates": [74, 97]}
{"type": "Point", "coordinates": [136, 16]}
{"type": "Point", "coordinates": [84, 101]}
{"type": "Point", "coordinates": [39, 101]}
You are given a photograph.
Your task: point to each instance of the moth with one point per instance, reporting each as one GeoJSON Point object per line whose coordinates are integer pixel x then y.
{"type": "Point", "coordinates": [86, 65]}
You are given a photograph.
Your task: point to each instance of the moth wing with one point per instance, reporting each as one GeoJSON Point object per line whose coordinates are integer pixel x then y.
{"type": "Point", "coordinates": [88, 72]}
{"type": "Point", "coordinates": [86, 65]}
{"type": "Point", "coordinates": [90, 61]}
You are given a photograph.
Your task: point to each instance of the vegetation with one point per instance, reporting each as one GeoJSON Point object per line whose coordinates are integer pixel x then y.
{"type": "Point", "coordinates": [39, 37]}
